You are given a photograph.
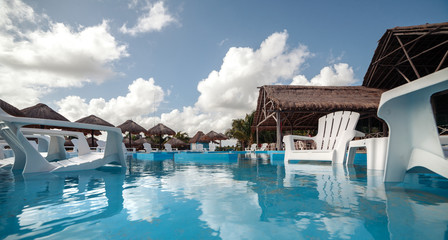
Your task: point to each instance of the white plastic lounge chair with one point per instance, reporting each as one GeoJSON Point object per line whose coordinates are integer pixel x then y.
{"type": "Point", "coordinates": [128, 151]}
{"type": "Point", "coordinates": [413, 137]}
{"type": "Point", "coordinates": [263, 147]}
{"type": "Point", "coordinates": [29, 160]}
{"type": "Point", "coordinates": [148, 148]}
{"type": "Point", "coordinates": [252, 148]}
{"type": "Point", "coordinates": [335, 131]}
{"type": "Point", "coordinates": [199, 147]}
{"type": "Point", "coordinates": [101, 146]}
{"type": "Point", "coordinates": [168, 147]}
{"type": "Point", "coordinates": [211, 147]}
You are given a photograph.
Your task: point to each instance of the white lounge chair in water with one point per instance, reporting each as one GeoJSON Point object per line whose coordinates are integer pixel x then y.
{"type": "Point", "coordinates": [148, 148]}
{"type": "Point", "coordinates": [335, 131]}
{"type": "Point", "coordinates": [413, 137]}
{"type": "Point", "coordinates": [29, 160]}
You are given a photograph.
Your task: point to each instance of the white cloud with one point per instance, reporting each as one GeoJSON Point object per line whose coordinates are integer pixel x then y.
{"type": "Point", "coordinates": [340, 74]}
{"type": "Point", "coordinates": [156, 18]}
{"type": "Point", "coordinates": [45, 55]}
{"type": "Point", "coordinates": [233, 89]}
{"type": "Point", "coordinates": [142, 99]}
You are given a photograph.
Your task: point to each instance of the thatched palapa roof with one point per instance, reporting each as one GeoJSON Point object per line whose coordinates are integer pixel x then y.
{"type": "Point", "coordinates": [131, 127]}
{"type": "Point", "coordinates": [161, 129]}
{"type": "Point", "coordinates": [301, 106]}
{"type": "Point", "coordinates": [196, 137]}
{"type": "Point", "coordinates": [405, 54]}
{"type": "Point", "coordinates": [43, 111]}
{"type": "Point", "coordinates": [10, 109]}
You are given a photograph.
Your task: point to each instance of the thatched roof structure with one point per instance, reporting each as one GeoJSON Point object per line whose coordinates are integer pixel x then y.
{"type": "Point", "coordinates": [408, 53]}
{"type": "Point", "coordinates": [176, 142]}
{"type": "Point", "coordinates": [161, 129]}
{"type": "Point", "coordinates": [43, 111]}
{"type": "Point", "coordinates": [300, 107]}
{"type": "Point", "coordinates": [92, 119]}
{"type": "Point", "coordinates": [131, 127]}
{"type": "Point", "coordinates": [215, 136]}
{"type": "Point", "coordinates": [10, 109]}
{"type": "Point", "coordinates": [196, 137]}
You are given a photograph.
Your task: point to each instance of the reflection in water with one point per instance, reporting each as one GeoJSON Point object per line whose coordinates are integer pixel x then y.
{"type": "Point", "coordinates": [250, 199]}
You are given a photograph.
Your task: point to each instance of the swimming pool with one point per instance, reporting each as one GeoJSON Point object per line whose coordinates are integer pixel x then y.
{"type": "Point", "coordinates": [238, 199]}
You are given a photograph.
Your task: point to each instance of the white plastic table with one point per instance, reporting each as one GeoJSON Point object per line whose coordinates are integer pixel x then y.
{"type": "Point", "coordinates": [376, 152]}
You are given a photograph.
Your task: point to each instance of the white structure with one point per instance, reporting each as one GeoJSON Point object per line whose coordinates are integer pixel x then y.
{"type": "Point", "coordinates": [335, 131]}
{"type": "Point", "coordinates": [148, 148]}
{"type": "Point", "coordinates": [28, 160]}
{"type": "Point", "coordinates": [376, 149]}
{"type": "Point", "coordinates": [413, 137]}
{"type": "Point", "coordinates": [168, 147]}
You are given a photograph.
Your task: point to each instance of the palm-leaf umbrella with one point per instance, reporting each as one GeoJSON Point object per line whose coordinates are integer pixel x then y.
{"type": "Point", "coordinates": [196, 138]}
{"type": "Point", "coordinates": [43, 111]}
{"type": "Point", "coordinates": [131, 127]}
{"type": "Point", "coordinates": [176, 142]}
{"type": "Point", "coordinates": [10, 109]}
{"type": "Point", "coordinates": [92, 119]}
{"type": "Point", "coordinates": [160, 130]}
{"type": "Point", "coordinates": [216, 136]}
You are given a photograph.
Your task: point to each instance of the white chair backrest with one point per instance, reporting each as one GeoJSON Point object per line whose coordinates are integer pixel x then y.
{"type": "Point", "coordinates": [101, 145]}
{"type": "Point", "coordinates": [75, 144]}
{"type": "Point", "coordinates": [263, 147]}
{"type": "Point", "coordinates": [332, 126]}
{"type": "Point", "coordinates": [253, 147]}
{"type": "Point", "coordinates": [168, 147]}
{"type": "Point", "coordinates": [147, 147]}
{"type": "Point", "coordinates": [212, 147]}
{"type": "Point", "coordinates": [199, 147]}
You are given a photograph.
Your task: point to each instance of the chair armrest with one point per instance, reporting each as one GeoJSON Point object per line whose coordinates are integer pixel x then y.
{"type": "Point", "coordinates": [298, 137]}
{"type": "Point", "coordinates": [359, 134]}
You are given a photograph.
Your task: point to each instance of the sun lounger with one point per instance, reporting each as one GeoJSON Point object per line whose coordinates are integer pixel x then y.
{"type": "Point", "coordinates": [413, 139]}
{"type": "Point", "coordinates": [28, 159]}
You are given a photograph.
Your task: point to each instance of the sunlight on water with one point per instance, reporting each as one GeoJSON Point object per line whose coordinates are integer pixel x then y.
{"type": "Point", "coordinates": [243, 199]}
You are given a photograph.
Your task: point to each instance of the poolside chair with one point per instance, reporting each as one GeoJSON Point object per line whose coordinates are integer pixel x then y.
{"type": "Point", "coordinates": [199, 147]}
{"type": "Point", "coordinates": [211, 147]}
{"type": "Point", "coordinates": [413, 137]}
{"type": "Point", "coordinates": [335, 131]}
{"type": "Point", "coordinates": [252, 148]}
{"type": "Point", "coordinates": [101, 146]}
{"type": "Point", "coordinates": [168, 148]}
{"type": "Point", "coordinates": [263, 147]}
{"type": "Point", "coordinates": [148, 148]}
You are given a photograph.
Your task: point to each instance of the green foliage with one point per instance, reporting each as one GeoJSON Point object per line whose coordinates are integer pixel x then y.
{"type": "Point", "coordinates": [241, 130]}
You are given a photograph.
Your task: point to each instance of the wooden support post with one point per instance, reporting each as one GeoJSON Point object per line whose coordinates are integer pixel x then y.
{"type": "Point", "coordinates": [279, 132]}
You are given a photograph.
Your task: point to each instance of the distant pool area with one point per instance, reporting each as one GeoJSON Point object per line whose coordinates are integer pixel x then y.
{"type": "Point", "coordinates": [233, 196]}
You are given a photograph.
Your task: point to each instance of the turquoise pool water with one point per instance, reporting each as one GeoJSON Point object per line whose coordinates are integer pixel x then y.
{"type": "Point", "coordinates": [240, 198]}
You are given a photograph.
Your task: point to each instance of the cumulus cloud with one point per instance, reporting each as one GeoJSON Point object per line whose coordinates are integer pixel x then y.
{"type": "Point", "coordinates": [233, 89]}
{"type": "Point", "coordinates": [340, 74]}
{"type": "Point", "coordinates": [142, 99]}
{"type": "Point", "coordinates": [38, 55]}
{"type": "Point", "coordinates": [154, 19]}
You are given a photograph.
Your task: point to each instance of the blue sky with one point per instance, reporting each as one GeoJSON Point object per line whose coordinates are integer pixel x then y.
{"type": "Point", "coordinates": [193, 65]}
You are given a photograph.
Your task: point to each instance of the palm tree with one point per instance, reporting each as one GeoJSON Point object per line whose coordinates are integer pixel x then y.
{"type": "Point", "coordinates": [182, 136]}
{"type": "Point", "coordinates": [241, 130]}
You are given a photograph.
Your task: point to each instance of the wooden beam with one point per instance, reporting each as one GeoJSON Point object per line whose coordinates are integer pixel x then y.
{"type": "Point", "coordinates": [441, 62]}
{"type": "Point", "coordinates": [407, 56]}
